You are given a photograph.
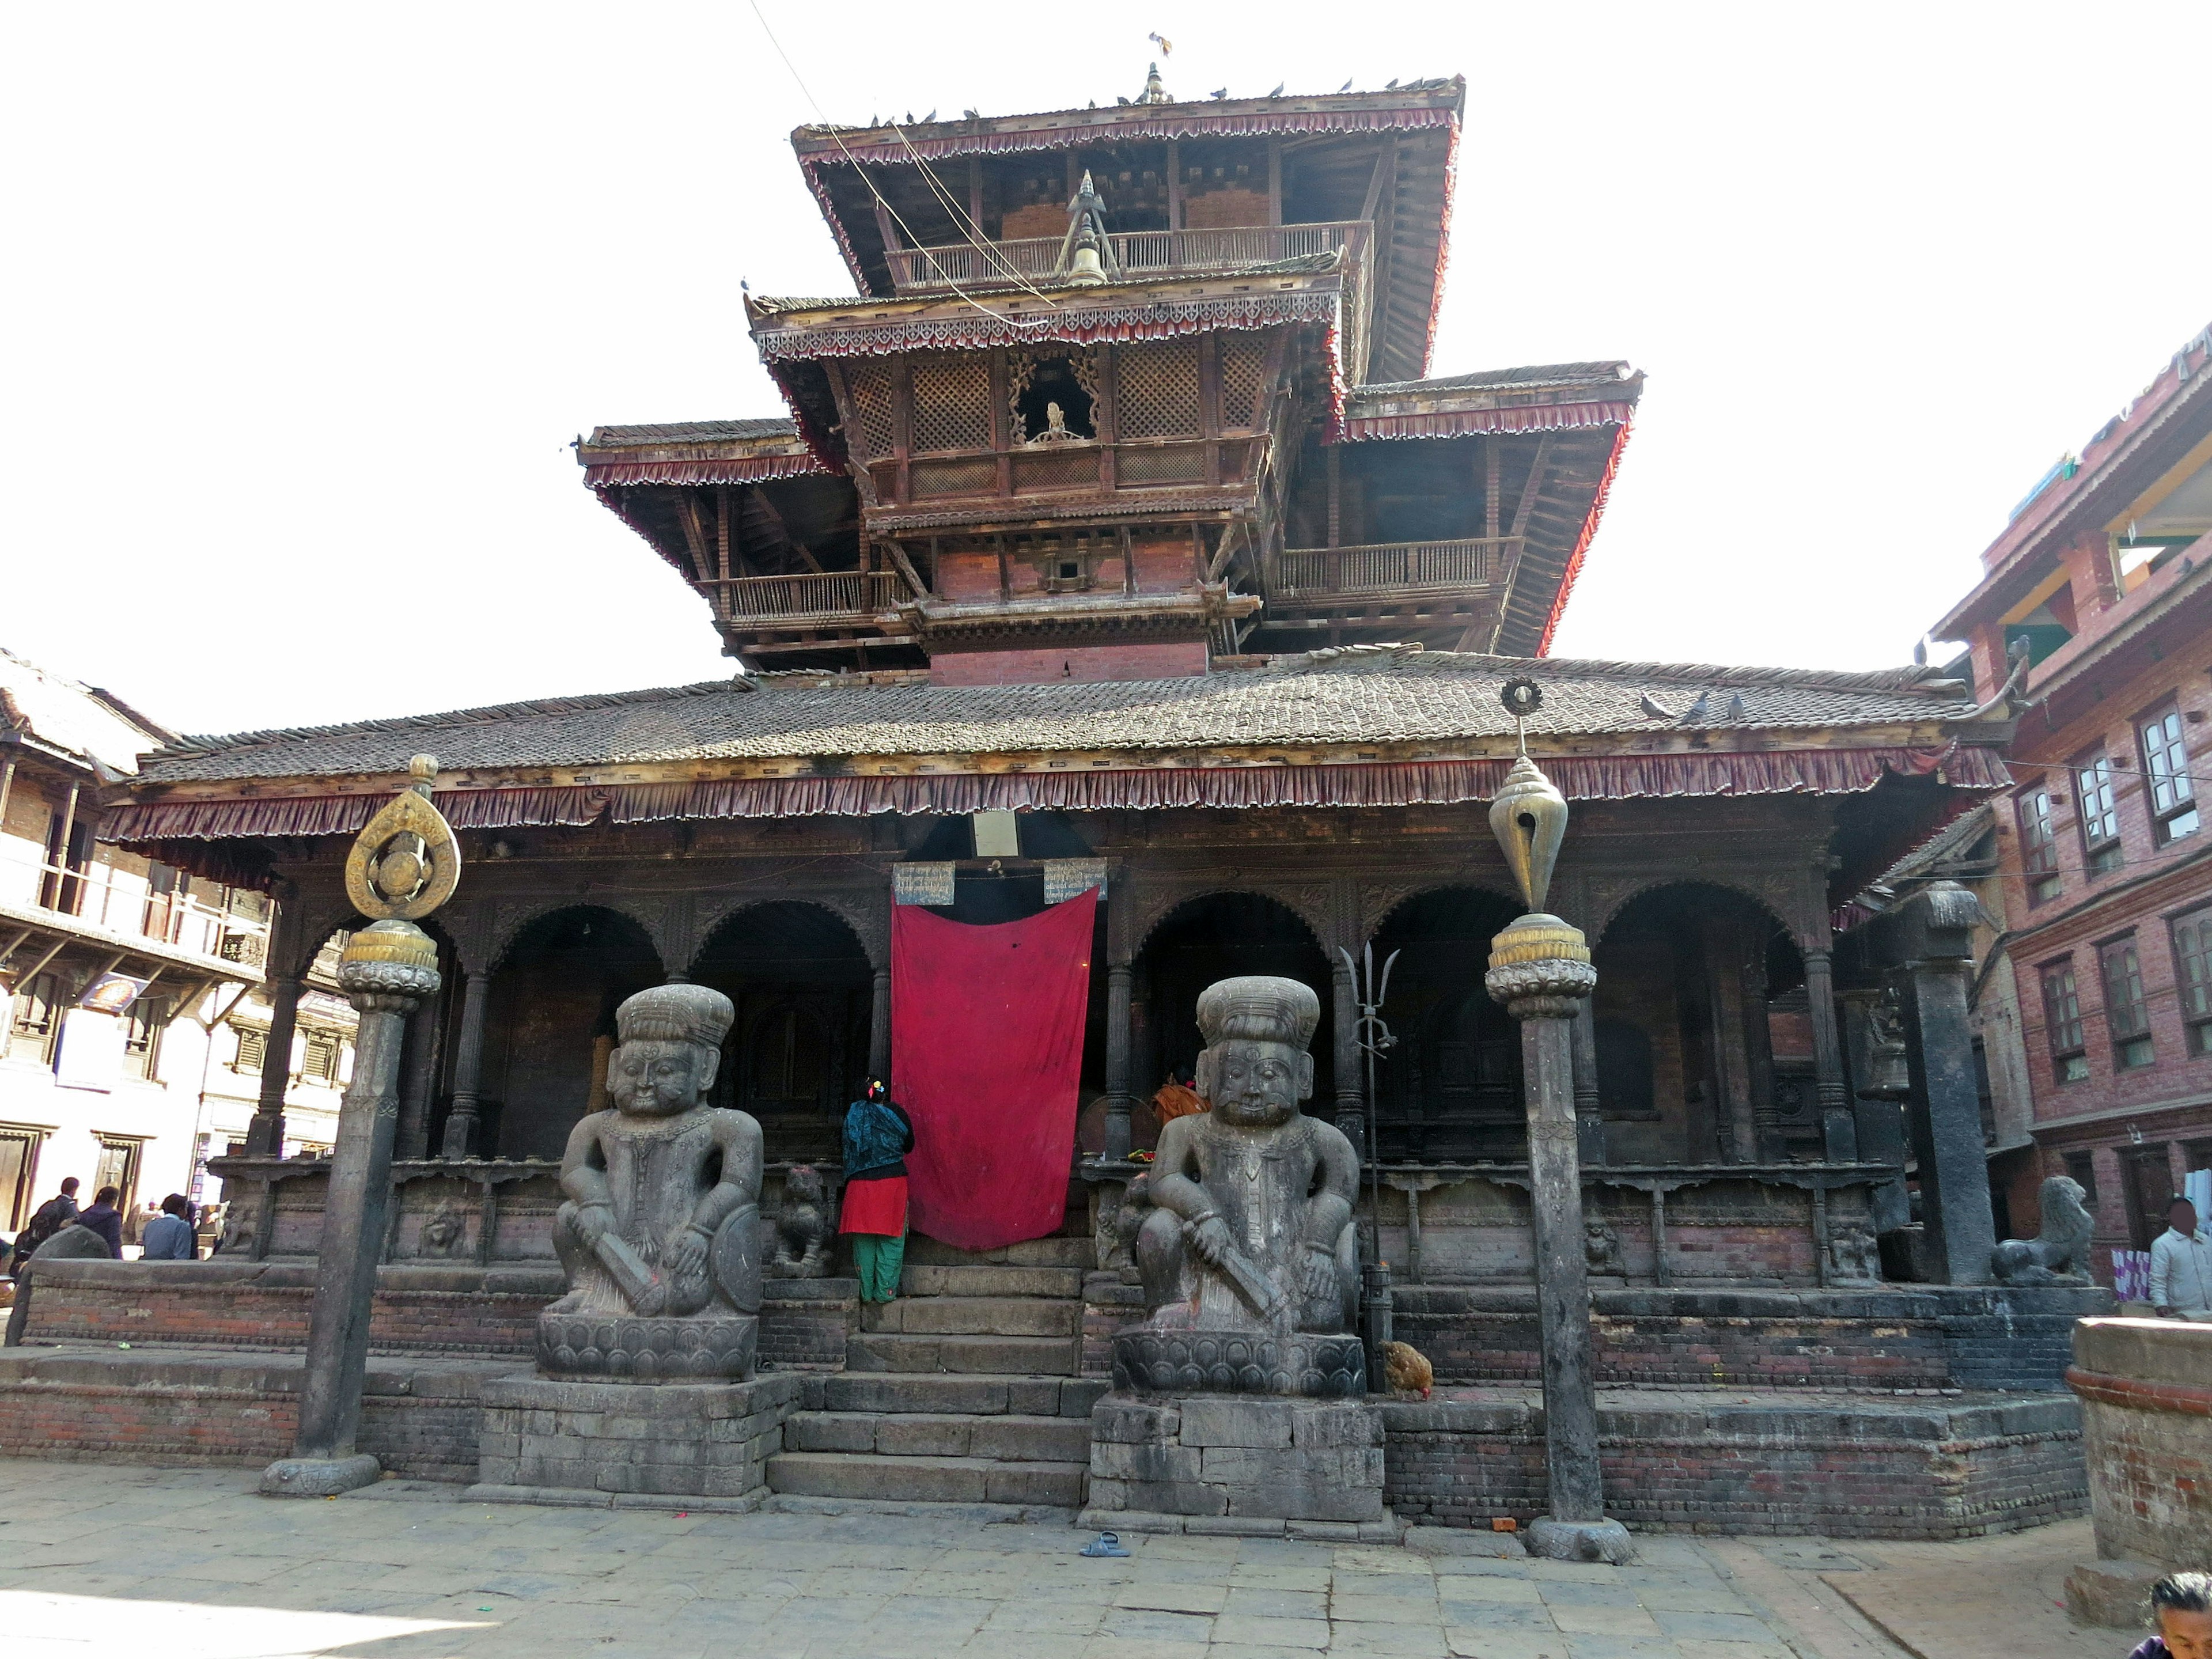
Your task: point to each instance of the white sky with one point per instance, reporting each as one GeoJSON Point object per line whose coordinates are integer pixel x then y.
{"type": "Point", "coordinates": [303, 303]}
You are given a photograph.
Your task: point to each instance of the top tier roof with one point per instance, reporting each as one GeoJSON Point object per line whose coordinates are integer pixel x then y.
{"type": "Point", "coordinates": [1423, 118]}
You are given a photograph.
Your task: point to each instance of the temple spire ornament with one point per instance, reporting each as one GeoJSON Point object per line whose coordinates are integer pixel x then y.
{"type": "Point", "coordinates": [405, 864]}
{"type": "Point", "coordinates": [1086, 255]}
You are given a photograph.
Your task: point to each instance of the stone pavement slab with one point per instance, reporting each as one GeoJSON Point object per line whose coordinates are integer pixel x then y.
{"type": "Point", "coordinates": [191, 1564]}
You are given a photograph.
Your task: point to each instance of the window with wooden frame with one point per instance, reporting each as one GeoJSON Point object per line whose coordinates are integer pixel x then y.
{"type": "Point", "coordinates": [2166, 781]}
{"type": "Point", "coordinates": [2083, 1166]}
{"type": "Point", "coordinates": [2062, 1024]}
{"type": "Point", "coordinates": [2192, 976]}
{"type": "Point", "coordinates": [2098, 814]}
{"type": "Point", "coordinates": [2127, 1013]}
{"type": "Point", "coordinates": [36, 1018]}
{"type": "Point", "coordinates": [18, 1173]}
{"type": "Point", "coordinates": [2039, 844]}
{"type": "Point", "coordinates": [252, 1051]}
{"type": "Point", "coordinates": [142, 1025]}
{"type": "Point", "coordinates": [319, 1056]}
{"type": "Point", "coordinates": [119, 1158]}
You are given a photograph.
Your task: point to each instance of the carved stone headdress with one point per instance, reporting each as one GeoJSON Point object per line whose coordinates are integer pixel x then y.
{"type": "Point", "coordinates": [1258, 1008]}
{"type": "Point", "coordinates": [676, 1013]}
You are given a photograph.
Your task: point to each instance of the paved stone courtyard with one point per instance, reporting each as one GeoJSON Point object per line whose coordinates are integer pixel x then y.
{"type": "Point", "coordinates": [193, 1564]}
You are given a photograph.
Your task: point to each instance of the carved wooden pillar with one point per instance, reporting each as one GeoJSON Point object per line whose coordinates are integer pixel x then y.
{"type": "Point", "coordinates": [1838, 1129]}
{"type": "Point", "coordinates": [1589, 1120]}
{"type": "Point", "coordinates": [1351, 1095]}
{"type": "Point", "coordinates": [420, 1084]}
{"type": "Point", "coordinates": [879, 1025]}
{"type": "Point", "coordinates": [468, 1068]}
{"type": "Point", "coordinates": [265, 1135]}
{"type": "Point", "coordinates": [1119, 1099]}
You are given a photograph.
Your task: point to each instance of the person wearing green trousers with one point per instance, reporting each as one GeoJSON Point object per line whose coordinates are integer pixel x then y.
{"type": "Point", "coordinates": [878, 1136]}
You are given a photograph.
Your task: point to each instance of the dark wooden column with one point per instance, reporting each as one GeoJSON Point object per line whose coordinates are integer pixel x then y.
{"type": "Point", "coordinates": [1838, 1129]}
{"type": "Point", "coordinates": [419, 1081]}
{"type": "Point", "coordinates": [879, 1025]}
{"type": "Point", "coordinates": [1351, 1092]}
{"type": "Point", "coordinates": [1119, 1099]}
{"type": "Point", "coordinates": [460, 1140]}
{"type": "Point", "coordinates": [287, 962]}
{"type": "Point", "coordinates": [1589, 1119]}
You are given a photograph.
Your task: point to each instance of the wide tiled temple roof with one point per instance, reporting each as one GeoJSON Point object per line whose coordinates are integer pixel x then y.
{"type": "Point", "coordinates": [689, 432]}
{"type": "Point", "coordinates": [1358, 695]}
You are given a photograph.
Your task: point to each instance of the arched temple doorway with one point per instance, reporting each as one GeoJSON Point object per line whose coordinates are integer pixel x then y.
{"type": "Point", "coordinates": [549, 1025]}
{"type": "Point", "coordinates": [1451, 1089]}
{"type": "Point", "coordinates": [1704, 1045]}
{"type": "Point", "coordinates": [799, 1049]}
{"type": "Point", "coordinates": [1216, 936]}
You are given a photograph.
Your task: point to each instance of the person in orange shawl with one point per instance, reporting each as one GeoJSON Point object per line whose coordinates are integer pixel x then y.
{"type": "Point", "coordinates": [1176, 1100]}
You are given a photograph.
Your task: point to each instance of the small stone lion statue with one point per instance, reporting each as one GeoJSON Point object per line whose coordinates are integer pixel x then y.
{"type": "Point", "coordinates": [802, 1226]}
{"type": "Point", "coordinates": [2059, 1253]}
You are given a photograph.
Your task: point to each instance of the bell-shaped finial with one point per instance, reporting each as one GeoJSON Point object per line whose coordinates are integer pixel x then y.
{"type": "Point", "coordinates": [1154, 93]}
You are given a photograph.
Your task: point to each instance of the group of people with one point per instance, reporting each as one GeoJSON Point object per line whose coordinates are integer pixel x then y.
{"type": "Point", "coordinates": [168, 1237]}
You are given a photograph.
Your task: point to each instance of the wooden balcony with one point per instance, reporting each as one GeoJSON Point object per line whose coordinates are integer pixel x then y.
{"type": "Point", "coordinates": [1329, 576]}
{"type": "Point", "coordinates": [1140, 253]}
{"type": "Point", "coordinates": [833, 599]}
{"type": "Point", "coordinates": [1083, 468]}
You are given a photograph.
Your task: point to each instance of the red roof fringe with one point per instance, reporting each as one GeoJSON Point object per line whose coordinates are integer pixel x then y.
{"type": "Point", "coordinates": [1452, 422]}
{"type": "Point", "coordinates": [1394, 783]}
{"type": "Point", "coordinates": [753, 469]}
{"type": "Point", "coordinates": [1582, 543]}
{"type": "Point", "coordinates": [1188, 121]}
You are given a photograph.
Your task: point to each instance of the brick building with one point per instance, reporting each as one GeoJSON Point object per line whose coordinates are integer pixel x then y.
{"type": "Point", "coordinates": [2099, 598]}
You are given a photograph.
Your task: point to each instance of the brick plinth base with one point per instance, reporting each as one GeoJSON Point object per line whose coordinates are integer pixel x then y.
{"type": "Point", "coordinates": [803, 1323]}
{"type": "Point", "coordinates": [1249, 1457]}
{"type": "Point", "coordinates": [1840, 1465]}
{"type": "Point", "coordinates": [2146, 1392]}
{"type": "Point", "coordinates": [695, 1440]}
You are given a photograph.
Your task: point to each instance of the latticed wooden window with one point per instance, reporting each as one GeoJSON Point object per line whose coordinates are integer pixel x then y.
{"type": "Point", "coordinates": [869, 384]}
{"type": "Point", "coordinates": [1157, 389]}
{"type": "Point", "coordinates": [2166, 768]}
{"type": "Point", "coordinates": [2192, 962]}
{"type": "Point", "coordinates": [1243, 365]}
{"type": "Point", "coordinates": [2098, 813]}
{"type": "Point", "coordinates": [2062, 1022]}
{"type": "Point", "coordinates": [951, 403]}
{"type": "Point", "coordinates": [2038, 846]}
{"type": "Point", "coordinates": [253, 1046]}
{"type": "Point", "coordinates": [2127, 1015]}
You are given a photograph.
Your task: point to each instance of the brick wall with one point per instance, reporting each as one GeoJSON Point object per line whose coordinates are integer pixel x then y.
{"type": "Point", "coordinates": [1853, 1469]}
{"type": "Point", "coordinates": [2146, 1392]}
{"type": "Point", "coordinates": [803, 1323]}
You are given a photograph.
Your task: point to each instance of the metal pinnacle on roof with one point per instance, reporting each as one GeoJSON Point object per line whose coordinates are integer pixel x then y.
{"type": "Point", "coordinates": [1154, 92]}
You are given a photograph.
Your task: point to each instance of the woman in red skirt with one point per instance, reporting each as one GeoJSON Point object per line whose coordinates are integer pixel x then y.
{"type": "Point", "coordinates": [877, 1137]}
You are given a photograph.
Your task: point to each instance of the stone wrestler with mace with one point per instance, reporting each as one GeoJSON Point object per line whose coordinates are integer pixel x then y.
{"type": "Point", "coordinates": [1251, 1230]}
{"type": "Point", "coordinates": [660, 1233]}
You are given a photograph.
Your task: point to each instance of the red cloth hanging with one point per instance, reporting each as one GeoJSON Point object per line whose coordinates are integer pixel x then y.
{"type": "Point", "coordinates": [987, 1057]}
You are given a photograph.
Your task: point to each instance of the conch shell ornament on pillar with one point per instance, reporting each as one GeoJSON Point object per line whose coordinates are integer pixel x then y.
{"type": "Point", "coordinates": [1529, 816]}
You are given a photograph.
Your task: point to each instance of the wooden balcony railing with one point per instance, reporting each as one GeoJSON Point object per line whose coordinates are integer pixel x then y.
{"type": "Point", "coordinates": [1314, 573]}
{"type": "Point", "coordinates": [1085, 467]}
{"type": "Point", "coordinates": [1141, 253]}
{"type": "Point", "coordinates": [836, 593]}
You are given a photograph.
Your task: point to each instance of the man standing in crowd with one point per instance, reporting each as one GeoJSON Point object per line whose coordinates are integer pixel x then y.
{"type": "Point", "coordinates": [56, 1213]}
{"type": "Point", "coordinates": [2180, 1264]}
{"type": "Point", "coordinates": [168, 1235]}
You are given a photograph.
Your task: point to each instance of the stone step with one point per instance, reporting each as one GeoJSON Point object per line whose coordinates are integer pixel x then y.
{"type": "Point", "coordinates": [1018, 1356]}
{"type": "Point", "coordinates": [975, 1316]}
{"type": "Point", "coordinates": [975, 1514]}
{"type": "Point", "coordinates": [956, 1394]}
{"type": "Point", "coordinates": [1003, 1438]}
{"type": "Point", "coordinates": [1033, 1253]}
{"type": "Point", "coordinates": [992, 1281]}
{"type": "Point", "coordinates": [927, 1480]}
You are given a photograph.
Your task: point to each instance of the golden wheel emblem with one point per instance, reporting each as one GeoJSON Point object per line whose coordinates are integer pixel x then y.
{"type": "Point", "coordinates": [405, 862]}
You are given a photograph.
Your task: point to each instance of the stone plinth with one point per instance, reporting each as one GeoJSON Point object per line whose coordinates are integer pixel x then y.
{"type": "Point", "coordinates": [1313, 1366]}
{"type": "Point", "coordinates": [1238, 1464]}
{"type": "Point", "coordinates": [2146, 1391]}
{"type": "Point", "coordinates": [633, 1348]}
{"type": "Point", "coordinates": [707, 1444]}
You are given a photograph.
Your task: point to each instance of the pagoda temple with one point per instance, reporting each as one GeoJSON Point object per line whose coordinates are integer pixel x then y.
{"type": "Point", "coordinates": [1116, 548]}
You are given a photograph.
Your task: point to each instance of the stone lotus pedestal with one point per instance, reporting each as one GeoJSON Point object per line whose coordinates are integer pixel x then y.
{"type": "Point", "coordinates": [1312, 1365]}
{"type": "Point", "coordinates": [1243, 1465]}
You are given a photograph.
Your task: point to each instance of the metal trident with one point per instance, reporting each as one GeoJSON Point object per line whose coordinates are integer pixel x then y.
{"type": "Point", "coordinates": [1374, 1040]}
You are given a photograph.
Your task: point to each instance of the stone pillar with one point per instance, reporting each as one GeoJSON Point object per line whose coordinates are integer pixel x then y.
{"type": "Point", "coordinates": [1838, 1128]}
{"type": "Point", "coordinates": [879, 1025]}
{"type": "Point", "coordinates": [265, 1135]}
{"type": "Point", "coordinates": [388, 968]}
{"type": "Point", "coordinates": [1118, 1098]}
{"type": "Point", "coordinates": [460, 1140]}
{"type": "Point", "coordinates": [1590, 1116]}
{"type": "Point", "coordinates": [1351, 1082]}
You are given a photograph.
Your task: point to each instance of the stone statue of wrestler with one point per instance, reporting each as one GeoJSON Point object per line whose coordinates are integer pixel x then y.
{"type": "Point", "coordinates": [1251, 1229]}
{"type": "Point", "coordinates": [660, 1233]}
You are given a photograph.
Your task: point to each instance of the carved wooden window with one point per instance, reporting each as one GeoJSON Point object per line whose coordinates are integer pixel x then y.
{"type": "Point", "coordinates": [1156, 389]}
{"type": "Point", "coordinates": [2062, 1022]}
{"type": "Point", "coordinates": [2038, 845]}
{"type": "Point", "coordinates": [2098, 813]}
{"type": "Point", "coordinates": [253, 1047]}
{"type": "Point", "coordinates": [2083, 1166]}
{"type": "Point", "coordinates": [35, 1019]}
{"type": "Point", "coordinates": [2192, 964]}
{"type": "Point", "coordinates": [1244, 366]}
{"type": "Point", "coordinates": [869, 384]}
{"type": "Point", "coordinates": [2127, 1015]}
{"type": "Point", "coordinates": [2165, 772]}
{"type": "Point", "coordinates": [19, 1174]}
{"type": "Point", "coordinates": [149, 1016]}
{"type": "Point", "coordinates": [951, 403]}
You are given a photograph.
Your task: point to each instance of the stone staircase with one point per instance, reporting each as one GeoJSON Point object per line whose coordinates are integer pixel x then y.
{"type": "Point", "coordinates": [964, 1391]}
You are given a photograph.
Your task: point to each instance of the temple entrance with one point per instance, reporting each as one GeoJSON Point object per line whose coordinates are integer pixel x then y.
{"type": "Point", "coordinates": [1451, 1090]}
{"type": "Point", "coordinates": [798, 1051]}
{"type": "Point", "coordinates": [1705, 1040]}
{"type": "Point", "coordinates": [551, 1026]}
{"type": "Point", "coordinates": [1216, 936]}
